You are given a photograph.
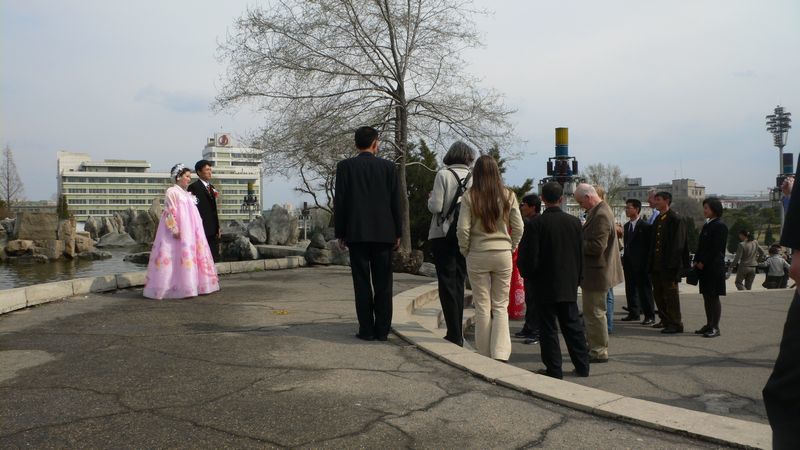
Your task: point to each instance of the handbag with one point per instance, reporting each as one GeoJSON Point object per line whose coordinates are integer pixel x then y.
{"type": "Point", "coordinates": [692, 277]}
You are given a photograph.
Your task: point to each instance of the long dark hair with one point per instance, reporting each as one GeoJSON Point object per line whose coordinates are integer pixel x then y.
{"type": "Point", "coordinates": [488, 194]}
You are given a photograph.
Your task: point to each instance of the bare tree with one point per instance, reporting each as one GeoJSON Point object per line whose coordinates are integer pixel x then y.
{"type": "Point", "coordinates": [11, 187]}
{"type": "Point", "coordinates": [318, 69]}
{"type": "Point", "coordinates": [608, 176]}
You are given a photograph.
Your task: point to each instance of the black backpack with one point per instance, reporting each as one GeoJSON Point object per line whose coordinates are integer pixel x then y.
{"type": "Point", "coordinates": [455, 207]}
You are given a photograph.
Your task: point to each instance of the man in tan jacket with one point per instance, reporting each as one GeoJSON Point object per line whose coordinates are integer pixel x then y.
{"type": "Point", "coordinates": [602, 268]}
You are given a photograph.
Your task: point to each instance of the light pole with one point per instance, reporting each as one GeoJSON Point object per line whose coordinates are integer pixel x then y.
{"type": "Point", "coordinates": [562, 168]}
{"type": "Point", "coordinates": [779, 124]}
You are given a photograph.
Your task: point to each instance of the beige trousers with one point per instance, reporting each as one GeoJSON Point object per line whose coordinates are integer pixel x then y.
{"type": "Point", "coordinates": [594, 315]}
{"type": "Point", "coordinates": [490, 277]}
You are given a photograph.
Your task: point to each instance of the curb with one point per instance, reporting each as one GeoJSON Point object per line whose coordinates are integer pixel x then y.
{"type": "Point", "coordinates": [696, 424]}
{"type": "Point", "coordinates": [37, 294]}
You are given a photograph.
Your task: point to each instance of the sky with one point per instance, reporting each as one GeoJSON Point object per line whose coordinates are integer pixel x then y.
{"type": "Point", "coordinates": [663, 89]}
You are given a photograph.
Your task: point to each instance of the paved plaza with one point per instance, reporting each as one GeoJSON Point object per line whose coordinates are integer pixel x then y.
{"type": "Point", "coordinates": [270, 361]}
{"type": "Point", "coordinates": [721, 376]}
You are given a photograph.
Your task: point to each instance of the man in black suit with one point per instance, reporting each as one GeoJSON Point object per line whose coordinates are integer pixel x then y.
{"type": "Point", "coordinates": [667, 260]}
{"type": "Point", "coordinates": [551, 255]}
{"type": "Point", "coordinates": [206, 195]}
{"type": "Point", "coordinates": [367, 218]}
{"type": "Point", "coordinates": [782, 392]}
{"type": "Point", "coordinates": [638, 290]}
{"type": "Point", "coordinates": [530, 207]}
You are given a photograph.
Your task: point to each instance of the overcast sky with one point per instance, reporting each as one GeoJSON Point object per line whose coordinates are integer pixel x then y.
{"type": "Point", "coordinates": [663, 89]}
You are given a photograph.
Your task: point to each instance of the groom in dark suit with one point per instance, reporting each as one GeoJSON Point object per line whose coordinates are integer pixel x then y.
{"type": "Point", "coordinates": [206, 195]}
{"type": "Point", "coordinates": [367, 218]}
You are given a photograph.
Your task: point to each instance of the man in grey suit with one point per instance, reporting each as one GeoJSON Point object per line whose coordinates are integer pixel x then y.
{"type": "Point", "coordinates": [602, 268]}
{"type": "Point", "coordinates": [367, 221]}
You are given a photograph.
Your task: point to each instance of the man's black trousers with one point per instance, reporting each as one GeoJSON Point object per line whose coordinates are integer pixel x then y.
{"type": "Point", "coordinates": [782, 392]}
{"type": "Point", "coordinates": [567, 317]}
{"type": "Point", "coordinates": [371, 266]}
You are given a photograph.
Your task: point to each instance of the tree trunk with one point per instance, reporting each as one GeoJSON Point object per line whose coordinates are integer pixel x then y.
{"type": "Point", "coordinates": [401, 145]}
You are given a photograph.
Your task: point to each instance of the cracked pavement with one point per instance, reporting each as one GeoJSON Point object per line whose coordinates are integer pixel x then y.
{"type": "Point", "coordinates": [722, 376]}
{"type": "Point", "coordinates": [269, 361]}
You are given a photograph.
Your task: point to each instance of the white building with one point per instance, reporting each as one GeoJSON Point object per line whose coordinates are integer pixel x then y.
{"type": "Point", "coordinates": [101, 188]}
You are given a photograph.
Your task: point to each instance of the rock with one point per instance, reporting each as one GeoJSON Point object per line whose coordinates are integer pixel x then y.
{"type": "Point", "coordinates": [18, 247]}
{"type": "Point", "coordinates": [407, 262]}
{"type": "Point", "coordinates": [53, 249]}
{"type": "Point", "coordinates": [318, 256]}
{"type": "Point", "coordinates": [66, 233]}
{"type": "Point", "coordinates": [83, 242]}
{"type": "Point", "coordinates": [92, 226]}
{"type": "Point", "coordinates": [108, 225]}
{"type": "Point", "coordinates": [95, 255]}
{"type": "Point", "coordinates": [278, 251]}
{"type": "Point", "coordinates": [282, 226]}
{"type": "Point", "coordinates": [303, 244]}
{"type": "Point", "coordinates": [8, 226]}
{"type": "Point", "coordinates": [329, 233]}
{"type": "Point", "coordinates": [427, 270]}
{"type": "Point", "coordinates": [32, 259]}
{"type": "Point", "coordinates": [318, 241]}
{"type": "Point", "coordinates": [228, 237]}
{"type": "Point", "coordinates": [36, 226]}
{"type": "Point", "coordinates": [138, 258]}
{"type": "Point", "coordinates": [235, 227]}
{"type": "Point", "coordinates": [257, 230]}
{"type": "Point", "coordinates": [116, 240]}
{"type": "Point", "coordinates": [239, 250]}
{"type": "Point", "coordinates": [155, 210]}
{"type": "Point", "coordinates": [339, 257]}
{"type": "Point", "coordinates": [141, 227]}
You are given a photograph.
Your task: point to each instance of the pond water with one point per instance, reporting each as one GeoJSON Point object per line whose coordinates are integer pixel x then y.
{"type": "Point", "coordinates": [18, 275]}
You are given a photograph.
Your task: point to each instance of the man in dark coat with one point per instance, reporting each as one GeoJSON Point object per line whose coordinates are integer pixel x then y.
{"type": "Point", "coordinates": [530, 207]}
{"type": "Point", "coordinates": [206, 195]}
{"type": "Point", "coordinates": [782, 392]}
{"type": "Point", "coordinates": [550, 255]}
{"type": "Point", "coordinates": [667, 261]}
{"type": "Point", "coordinates": [638, 289]}
{"type": "Point", "coordinates": [367, 218]}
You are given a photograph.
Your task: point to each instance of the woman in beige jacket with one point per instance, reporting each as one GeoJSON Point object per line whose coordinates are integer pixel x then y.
{"type": "Point", "coordinates": [489, 229]}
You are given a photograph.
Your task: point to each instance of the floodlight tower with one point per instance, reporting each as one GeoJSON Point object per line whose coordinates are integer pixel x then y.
{"type": "Point", "coordinates": [562, 168]}
{"type": "Point", "coordinates": [779, 124]}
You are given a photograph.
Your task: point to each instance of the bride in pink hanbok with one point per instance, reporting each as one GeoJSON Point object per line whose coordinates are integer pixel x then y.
{"type": "Point", "coordinates": [180, 261]}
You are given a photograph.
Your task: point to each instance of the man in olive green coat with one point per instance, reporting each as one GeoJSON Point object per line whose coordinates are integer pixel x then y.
{"type": "Point", "coordinates": [602, 268]}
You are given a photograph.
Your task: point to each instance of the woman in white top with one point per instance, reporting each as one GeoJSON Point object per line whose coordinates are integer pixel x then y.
{"type": "Point", "coordinates": [451, 267]}
{"type": "Point", "coordinates": [489, 229]}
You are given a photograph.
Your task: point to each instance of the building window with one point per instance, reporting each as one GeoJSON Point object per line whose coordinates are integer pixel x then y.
{"type": "Point", "coordinates": [98, 211]}
{"type": "Point", "coordinates": [97, 191]}
{"type": "Point", "coordinates": [116, 191]}
{"type": "Point", "coordinates": [136, 191]}
{"type": "Point", "coordinates": [117, 180]}
{"type": "Point", "coordinates": [155, 191]}
{"type": "Point", "coordinates": [76, 191]}
{"type": "Point", "coordinates": [118, 201]}
{"type": "Point", "coordinates": [76, 201]}
{"type": "Point", "coordinates": [137, 180]}
{"type": "Point", "coordinates": [99, 201]}
{"type": "Point", "coordinates": [137, 201]}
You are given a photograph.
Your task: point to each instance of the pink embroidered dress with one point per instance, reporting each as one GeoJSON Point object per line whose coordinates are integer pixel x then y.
{"type": "Point", "coordinates": [184, 267]}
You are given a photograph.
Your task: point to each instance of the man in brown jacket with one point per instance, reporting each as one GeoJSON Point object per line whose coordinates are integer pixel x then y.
{"type": "Point", "coordinates": [602, 268]}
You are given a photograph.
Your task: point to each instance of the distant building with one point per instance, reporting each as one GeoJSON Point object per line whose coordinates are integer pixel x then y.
{"type": "Point", "coordinates": [101, 188]}
{"type": "Point", "coordinates": [739, 202]}
{"type": "Point", "coordinates": [36, 206]}
{"type": "Point", "coordinates": [681, 188]}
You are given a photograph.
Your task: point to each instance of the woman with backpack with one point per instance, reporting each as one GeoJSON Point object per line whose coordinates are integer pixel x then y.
{"type": "Point", "coordinates": [489, 229]}
{"type": "Point", "coordinates": [451, 267]}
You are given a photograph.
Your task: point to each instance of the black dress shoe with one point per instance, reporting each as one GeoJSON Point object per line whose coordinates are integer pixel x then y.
{"type": "Point", "coordinates": [546, 373]}
{"type": "Point", "coordinates": [672, 330]}
{"type": "Point", "coordinates": [365, 337]}
{"type": "Point", "coordinates": [522, 333]}
{"type": "Point", "coordinates": [659, 325]}
{"type": "Point", "coordinates": [712, 333]}
{"type": "Point", "coordinates": [598, 360]}
{"type": "Point", "coordinates": [580, 374]}
{"type": "Point", "coordinates": [702, 329]}
{"type": "Point", "coordinates": [647, 321]}
{"type": "Point", "coordinates": [383, 338]}
{"type": "Point", "coordinates": [533, 340]}
{"type": "Point", "coordinates": [630, 319]}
